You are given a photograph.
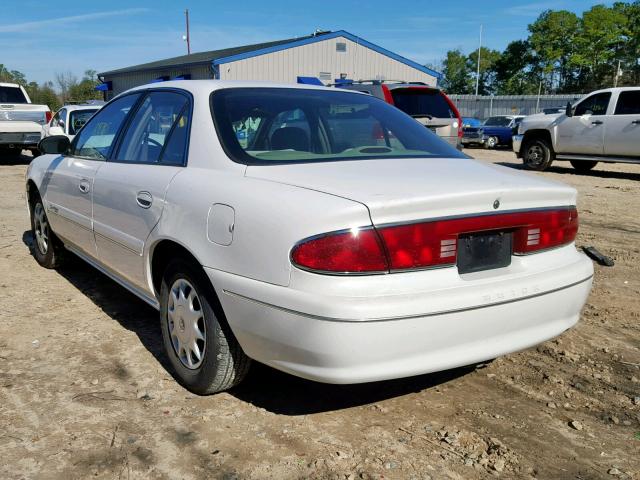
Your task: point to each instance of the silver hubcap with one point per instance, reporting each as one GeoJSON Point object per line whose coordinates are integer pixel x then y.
{"type": "Point", "coordinates": [535, 155]}
{"type": "Point", "coordinates": [41, 228]}
{"type": "Point", "coordinates": [492, 142]}
{"type": "Point", "coordinates": [186, 324]}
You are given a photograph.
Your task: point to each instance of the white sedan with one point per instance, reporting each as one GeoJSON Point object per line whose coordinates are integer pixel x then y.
{"type": "Point", "coordinates": [319, 231]}
{"type": "Point", "coordinates": [69, 119]}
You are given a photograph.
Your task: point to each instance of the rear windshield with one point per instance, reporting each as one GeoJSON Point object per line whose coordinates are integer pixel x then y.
{"type": "Point", "coordinates": [422, 102]}
{"type": "Point", "coordinates": [286, 125]}
{"type": "Point", "coordinates": [498, 121]}
{"type": "Point", "coordinates": [12, 95]}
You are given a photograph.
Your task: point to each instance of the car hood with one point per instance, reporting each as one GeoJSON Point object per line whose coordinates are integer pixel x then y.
{"type": "Point", "coordinates": [398, 190]}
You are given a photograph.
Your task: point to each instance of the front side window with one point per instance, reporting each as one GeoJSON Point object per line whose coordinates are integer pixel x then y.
{"type": "Point", "coordinates": [95, 140]}
{"type": "Point", "coordinates": [56, 119]}
{"type": "Point", "coordinates": [594, 105]}
{"type": "Point", "coordinates": [271, 125]}
{"type": "Point", "coordinates": [497, 122]}
{"type": "Point", "coordinates": [628, 103]}
{"type": "Point", "coordinates": [77, 119]}
{"type": "Point", "coordinates": [151, 126]}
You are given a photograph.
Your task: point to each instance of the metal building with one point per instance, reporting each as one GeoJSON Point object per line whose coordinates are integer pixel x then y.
{"type": "Point", "coordinates": [328, 56]}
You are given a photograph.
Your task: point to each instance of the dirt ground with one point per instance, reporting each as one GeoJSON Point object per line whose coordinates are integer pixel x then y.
{"type": "Point", "coordinates": [85, 389]}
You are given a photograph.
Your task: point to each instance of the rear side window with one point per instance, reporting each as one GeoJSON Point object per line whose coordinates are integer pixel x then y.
{"type": "Point", "coordinates": [628, 103]}
{"type": "Point", "coordinates": [12, 95]}
{"type": "Point", "coordinates": [95, 139]}
{"type": "Point", "coordinates": [594, 105]}
{"type": "Point", "coordinates": [422, 102]}
{"type": "Point", "coordinates": [151, 126]}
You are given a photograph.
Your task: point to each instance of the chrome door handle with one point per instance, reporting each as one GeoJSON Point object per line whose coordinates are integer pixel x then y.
{"type": "Point", "coordinates": [144, 199]}
{"type": "Point", "coordinates": [635, 122]}
{"type": "Point", "coordinates": [84, 186]}
{"type": "Point", "coordinates": [597, 122]}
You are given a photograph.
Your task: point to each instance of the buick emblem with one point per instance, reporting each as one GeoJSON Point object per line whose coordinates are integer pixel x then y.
{"type": "Point", "coordinates": [496, 204]}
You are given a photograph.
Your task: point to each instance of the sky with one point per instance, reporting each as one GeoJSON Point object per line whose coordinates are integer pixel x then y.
{"type": "Point", "coordinates": [40, 38]}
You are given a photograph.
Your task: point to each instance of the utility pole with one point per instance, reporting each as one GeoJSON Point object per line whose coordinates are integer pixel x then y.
{"type": "Point", "coordinates": [187, 38]}
{"type": "Point", "coordinates": [618, 73]}
{"type": "Point", "coordinates": [478, 72]}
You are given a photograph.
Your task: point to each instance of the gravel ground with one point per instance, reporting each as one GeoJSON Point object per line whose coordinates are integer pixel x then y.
{"type": "Point", "coordinates": [85, 389]}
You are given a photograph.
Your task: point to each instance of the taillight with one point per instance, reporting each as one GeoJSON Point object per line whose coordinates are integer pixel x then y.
{"type": "Point", "coordinates": [352, 251]}
{"type": "Point", "coordinates": [387, 94]}
{"type": "Point", "coordinates": [431, 244]}
{"type": "Point", "coordinates": [48, 115]}
{"type": "Point", "coordinates": [455, 111]}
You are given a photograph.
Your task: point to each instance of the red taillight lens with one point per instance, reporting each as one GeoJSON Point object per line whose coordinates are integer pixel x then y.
{"type": "Point", "coordinates": [432, 244]}
{"type": "Point", "coordinates": [354, 251]}
{"type": "Point", "coordinates": [546, 229]}
{"type": "Point", "coordinates": [48, 115]}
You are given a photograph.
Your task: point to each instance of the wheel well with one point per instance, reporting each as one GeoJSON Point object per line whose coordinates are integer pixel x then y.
{"type": "Point", "coordinates": [162, 254]}
{"type": "Point", "coordinates": [31, 190]}
{"type": "Point", "coordinates": [538, 134]}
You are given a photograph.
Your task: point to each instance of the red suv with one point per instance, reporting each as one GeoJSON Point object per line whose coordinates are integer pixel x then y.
{"type": "Point", "coordinates": [429, 105]}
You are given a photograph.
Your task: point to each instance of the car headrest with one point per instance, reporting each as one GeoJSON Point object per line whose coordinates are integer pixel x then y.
{"type": "Point", "coordinates": [292, 138]}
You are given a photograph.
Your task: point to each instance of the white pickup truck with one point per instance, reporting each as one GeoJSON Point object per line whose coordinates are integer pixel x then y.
{"type": "Point", "coordinates": [603, 127]}
{"type": "Point", "coordinates": [21, 121]}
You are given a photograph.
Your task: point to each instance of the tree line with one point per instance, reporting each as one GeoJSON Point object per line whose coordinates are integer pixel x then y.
{"type": "Point", "coordinates": [563, 53]}
{"type": "Point", "coordinates": [65, 87]}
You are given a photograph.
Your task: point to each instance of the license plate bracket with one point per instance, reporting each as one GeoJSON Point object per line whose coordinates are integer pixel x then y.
{"type": "Point", "coordinates": [484, 251]}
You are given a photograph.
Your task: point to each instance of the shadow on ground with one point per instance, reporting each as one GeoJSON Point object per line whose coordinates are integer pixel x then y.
{"type": "Point", "coordinates": [11, 159]}
{"type": "Point", "coordinates": [264, 387]}
{"type": "Point", "coordinates": [573, 171]}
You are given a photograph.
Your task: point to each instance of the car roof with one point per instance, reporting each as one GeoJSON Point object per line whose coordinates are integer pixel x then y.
{"type": "Point", "coordinates": [202, 87]}
{"type": "Point", "coordinates": [72, 108]}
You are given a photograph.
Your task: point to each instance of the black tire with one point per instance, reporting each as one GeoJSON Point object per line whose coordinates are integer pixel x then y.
{"type": "Point", "coordinates": [48, 250]}
{"type": "Point", "coordinates": [222, 364]}
{"type": "Point", "coordinates": [537, 154]}
{"type": "Point", "coordinates": [583, 165]}
{"type": "Point", "coordinates": [491, 143]}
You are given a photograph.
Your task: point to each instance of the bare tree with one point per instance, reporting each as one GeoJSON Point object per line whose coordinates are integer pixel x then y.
{"type": "Point", "coordinates": [64, 81]}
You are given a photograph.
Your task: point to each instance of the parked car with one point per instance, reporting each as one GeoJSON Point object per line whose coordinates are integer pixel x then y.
{"type": "Point", "coordinates": [20, 121]}
{"type": "Point", "coordinates": [69, 119]}
{"type": "Point", "coordinates": [429, 105]}
{"type": "Point", "coordinates": [341, 241]}
{"type": "Point", "coordinates": [602, 127]}
{"type": "Point", "coordinates": [472, 131]}
{"type": "Point", "coordinates": [498, 130]}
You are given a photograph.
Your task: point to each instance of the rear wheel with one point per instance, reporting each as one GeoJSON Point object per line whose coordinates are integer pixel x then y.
{"type": "Point", "coordinates": [537, 154]}
{"type": "Point", "coordinates": [47, 249]}
{"type": "Point", "coordinates": [202, 349]}
{"type": "Point", "coordinates": [583, 165]}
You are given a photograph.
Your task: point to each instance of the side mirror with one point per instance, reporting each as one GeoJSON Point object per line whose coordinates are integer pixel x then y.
{"type": "Point", "coordinates": [569, 111]}
{"type": "Point", "coordinates": [56, 144]}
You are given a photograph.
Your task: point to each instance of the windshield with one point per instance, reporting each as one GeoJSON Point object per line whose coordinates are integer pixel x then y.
{"type": "Point", "coordinates": [498, 121]}
{"type": "Point", "coordinates": [287, 125]}
{"type": "Point", "coordinates": [12, 95]}
{"type": "Point", "coordinates": [422, 102]}
{"type": "Point", "coordinates": [77, 119]}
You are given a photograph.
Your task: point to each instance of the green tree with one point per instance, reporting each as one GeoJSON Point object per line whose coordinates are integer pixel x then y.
{"type": "Point", "coordinates": [86, 88]}
{"type": "Point", "coordinates": [457, 76]}
{"type": "Point", "coordinates": [488, 58]}
{"type": "Point", "coordinates": [516, 72]}
{"type": "Point", "coordinates": [553, 39]}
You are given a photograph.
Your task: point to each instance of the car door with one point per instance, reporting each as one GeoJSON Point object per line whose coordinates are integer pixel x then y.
{"type": "Point", "coordinates": [129, 189]}
{"type": "Point", "coordinates": [68, 184]}
{"type": "Point", "coordinates": [622, 132]}
{"type": "Point", "coordinates": [584, 131]}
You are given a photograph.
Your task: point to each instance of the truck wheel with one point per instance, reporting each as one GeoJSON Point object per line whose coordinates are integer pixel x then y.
{"type": "Point", "coordinates": [492, 142]}
{"type": "Point", "coordinates": [537, 154]}
{"type": "Point", "coordinates": [204, 353]}
{"type": "Point", "coordinates": [48, 249]}
{"type": "Point", "coordinates": [583, 165]}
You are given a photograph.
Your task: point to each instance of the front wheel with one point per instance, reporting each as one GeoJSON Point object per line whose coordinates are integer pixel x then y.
{"type": "Point", "coordinates": [583, 165]}
{"type": "Point", "coordinates": [202, 349]}
{"type": "Point", "coordinates": [537, 154]}
{"type": "Point", "coordinates": [48, 250]}
{"type": "Point", "coordinates": [492, 142]}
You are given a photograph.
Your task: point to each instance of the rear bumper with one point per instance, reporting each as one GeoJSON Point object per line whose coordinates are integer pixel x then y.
{"type": "Point", "coordinates": [473, 140]}
{"type": "Point", "coordinates": [517, 144]}
{"type": "Point", "coordinates": [21, 139]}
{"type": "Point", "coordinates": [344, 336]}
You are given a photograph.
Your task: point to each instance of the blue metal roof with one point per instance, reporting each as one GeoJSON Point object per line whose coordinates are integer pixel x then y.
{"type": "Point", "coordinates": [320, 38]}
